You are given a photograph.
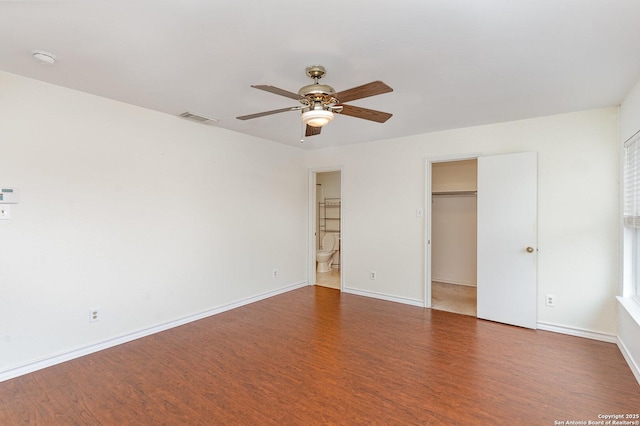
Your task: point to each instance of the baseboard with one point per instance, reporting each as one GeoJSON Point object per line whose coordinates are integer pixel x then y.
{"type": "Point", "coordinates": [579, 332]}
{"type": "Point", "coordinates": [445, 281]}
{"type": "Point", "coordinates": [86, 350]}
{"type": "Point", "coordinates": [635, 369]}
{"type": "Point", "coordinates": [382, 296]}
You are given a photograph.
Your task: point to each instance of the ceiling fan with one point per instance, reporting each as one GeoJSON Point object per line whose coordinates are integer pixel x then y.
{"type": "Point", "coordinates": [319, 102]}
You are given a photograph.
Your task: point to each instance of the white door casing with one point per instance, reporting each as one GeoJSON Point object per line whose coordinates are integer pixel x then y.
{"type": "Point", "coordinates": [507, 238]}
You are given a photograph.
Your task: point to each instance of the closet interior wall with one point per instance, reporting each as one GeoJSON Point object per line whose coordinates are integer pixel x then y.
{"type": "Point", "coordinates": [454, 222]}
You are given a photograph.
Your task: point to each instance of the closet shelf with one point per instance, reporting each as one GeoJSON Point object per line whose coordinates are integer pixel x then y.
{"type": "Point", "coordinates": [467, 193]}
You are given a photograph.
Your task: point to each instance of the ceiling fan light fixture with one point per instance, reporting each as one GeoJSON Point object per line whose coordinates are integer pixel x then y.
{"type": "Point", "coordinates": [317, 117]}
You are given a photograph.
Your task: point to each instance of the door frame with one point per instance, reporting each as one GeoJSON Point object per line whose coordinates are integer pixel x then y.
{"type": "Point", "coordinates": [311, 266]}
{"type": "Point", "coordinates": [428, 213]}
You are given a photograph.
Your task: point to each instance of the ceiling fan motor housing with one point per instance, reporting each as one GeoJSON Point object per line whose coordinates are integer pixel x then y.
{"type": "Point", "coordinates": [316, 93]}
{"type": "Point", "coordinates": [317, 90]}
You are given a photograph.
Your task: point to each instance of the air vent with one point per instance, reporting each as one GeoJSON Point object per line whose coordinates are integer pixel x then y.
{"type": "Point", "coordinates": [198, 117]}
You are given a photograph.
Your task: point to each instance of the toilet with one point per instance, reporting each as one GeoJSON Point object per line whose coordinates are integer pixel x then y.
{"type": "Point", "coordinates": [324, 256]}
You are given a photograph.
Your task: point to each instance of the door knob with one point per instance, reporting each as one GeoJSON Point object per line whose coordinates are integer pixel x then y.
{"type": "Point", "coordinates": [529, 249]}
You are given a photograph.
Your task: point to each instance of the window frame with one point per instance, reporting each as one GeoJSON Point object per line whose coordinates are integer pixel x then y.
{"type": "Point", "coordinates": [630, 219]}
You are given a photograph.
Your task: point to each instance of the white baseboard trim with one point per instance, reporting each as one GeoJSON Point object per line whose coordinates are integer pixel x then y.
{"type": "Point", "coordinates": [579, 332]}
{"type": "Point", "coordinates": [635, 369]}
{"type": "Point", "coordinates": [447, 281]}
{"type": "Point", "coordinates": [86, 350]}
{"type": "Point", "coordinates": [382, 296]}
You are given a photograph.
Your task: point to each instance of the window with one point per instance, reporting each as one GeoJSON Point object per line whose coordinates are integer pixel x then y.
{"type": "Point", "coordinates": [636, 264]}
{"type": "Point", "coordinates": [632, 212]}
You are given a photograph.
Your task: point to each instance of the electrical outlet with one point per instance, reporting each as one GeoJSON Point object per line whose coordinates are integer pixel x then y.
{"type": "Point", "coordinates": [274, 274]}
{"type": "Point", "coordinates": [94, 314]}
{"type": "Point", "coordinates": [372, 275]}
{"type": "Point", "coordinates": [550, 300]}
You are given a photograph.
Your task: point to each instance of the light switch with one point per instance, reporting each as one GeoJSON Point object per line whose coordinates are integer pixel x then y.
{"type": "Point", "coordinates": [419, 212]}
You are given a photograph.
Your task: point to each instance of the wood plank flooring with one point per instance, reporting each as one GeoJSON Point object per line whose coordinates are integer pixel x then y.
{"type": "Point", "coordinates": [316, 356]}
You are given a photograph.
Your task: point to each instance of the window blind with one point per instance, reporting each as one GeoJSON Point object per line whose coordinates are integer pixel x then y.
{"type": "Point", "coordinates": [632, 182]}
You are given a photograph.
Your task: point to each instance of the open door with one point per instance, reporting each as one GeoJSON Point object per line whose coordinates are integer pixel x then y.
{"type": "Point", "coordinates": [507, 238]}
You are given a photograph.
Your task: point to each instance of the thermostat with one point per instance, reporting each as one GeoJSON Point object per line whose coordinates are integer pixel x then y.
{"type": "Point", "coordinates": [9, 196]}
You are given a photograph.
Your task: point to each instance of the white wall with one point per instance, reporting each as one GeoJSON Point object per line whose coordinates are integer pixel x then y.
{"type": "Point", "coordinates": [147, 216]}
{"type": "Point", "coordinates": [330, 182]}
{"type": "Point", "coordinates": [629, 313]}
{"type": "Point", "coordinates": [454, 239]}
{"type": "Point", "coordinates": [577, 210]}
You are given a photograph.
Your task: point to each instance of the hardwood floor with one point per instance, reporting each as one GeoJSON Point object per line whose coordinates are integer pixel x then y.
{"type": "Point", "coordinates": [316, 356]}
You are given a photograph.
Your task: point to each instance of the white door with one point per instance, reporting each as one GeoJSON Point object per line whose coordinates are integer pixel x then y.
{"type": "Point", "coordinates": [507, 238]}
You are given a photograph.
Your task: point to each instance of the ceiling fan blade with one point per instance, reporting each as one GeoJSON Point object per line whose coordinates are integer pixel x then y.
{"type": "Point", "coordinates": [262, 114]}
{"type": "Point", "coordinates": [312, 131]}
{"type": "Point", "coordinates": [364, 91]}
{"type": "Point", "coordinates": [277, 91]}
{"type": "Point", "coordinates": [365, 113]}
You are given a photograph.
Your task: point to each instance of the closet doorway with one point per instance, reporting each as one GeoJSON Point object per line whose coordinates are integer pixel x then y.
{"type": "Point", "coordinates": [486, 239]}
{"type": "Point", "coordinates": [327, 232]}
{"type": "Point", "coordinates": [454, 236]}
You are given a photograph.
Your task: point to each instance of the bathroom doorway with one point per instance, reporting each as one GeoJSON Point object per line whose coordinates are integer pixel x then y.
{"type": "Point", "coordinates": [327, 229]}
{"type": "Point", "coordinates": [454, 236]}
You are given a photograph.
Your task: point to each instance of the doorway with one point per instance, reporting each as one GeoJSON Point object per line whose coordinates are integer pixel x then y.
{"type": "Point", "coordinates": [453, 237]}
{"type": "Point", "coordinates": [506, 220]}
{"type": "Point", "coordinates": [327, 230]}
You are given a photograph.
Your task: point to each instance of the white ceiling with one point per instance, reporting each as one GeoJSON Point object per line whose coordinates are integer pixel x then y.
{"type": "Point", "coordinates": [451, 63]}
